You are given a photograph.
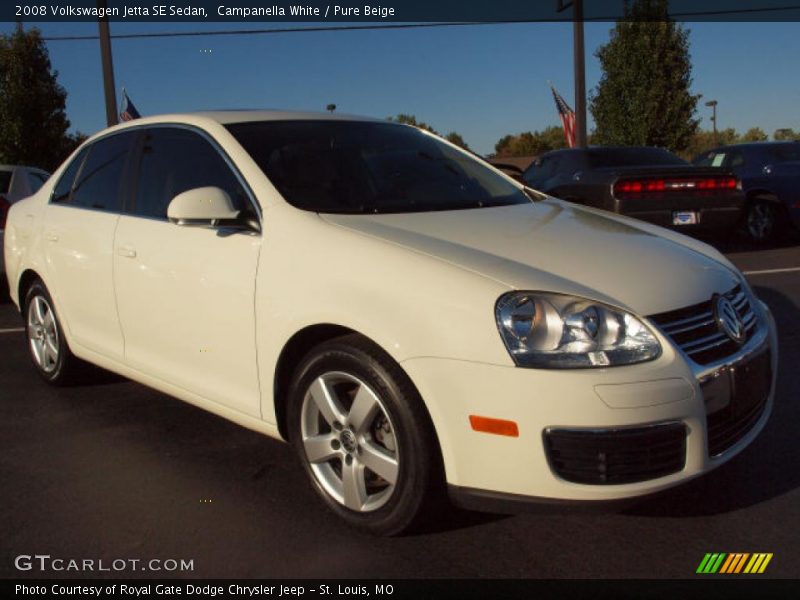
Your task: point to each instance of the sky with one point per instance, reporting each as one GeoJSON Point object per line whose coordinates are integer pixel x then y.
{"type": "Point", "coordinates": [483, 81]}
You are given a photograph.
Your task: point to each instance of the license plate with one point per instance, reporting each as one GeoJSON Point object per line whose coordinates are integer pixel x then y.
{"type": "Point", "coordinates": [685, 217]}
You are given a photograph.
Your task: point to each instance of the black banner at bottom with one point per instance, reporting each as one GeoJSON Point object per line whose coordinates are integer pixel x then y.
{"type": "Point", "coordinates": [483, 589]}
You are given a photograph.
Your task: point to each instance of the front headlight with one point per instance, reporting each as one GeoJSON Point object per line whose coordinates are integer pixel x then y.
{"type": "Point", "coordinates": [552, 331]}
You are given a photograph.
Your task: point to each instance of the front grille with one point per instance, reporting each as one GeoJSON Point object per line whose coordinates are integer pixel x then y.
{"type": "Point", "coordinates": [749, 389]}
{"type": "Point", "coordinates": [694, 328]}
{"type": "Point", "coordinates": [614, 456]}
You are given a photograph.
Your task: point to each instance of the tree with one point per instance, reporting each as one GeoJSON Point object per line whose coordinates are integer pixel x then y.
{"type": "Point", "coordinates": [531, 143]}
{"type": "Point", "coordinates": [412, 120]}
{"type": "Point", "coordinates": [785, 134]}
{"type": "Point", "coordinates": [455, 138]}
{"type": "Point", "coordinates": [33, 122]}
{"type": "Point", "coordinates": [643, 97]}
{"type": "Point", "coordinates": [452, 137]}
{"type": "Point", "coordinates": [703, 141]}
{"type": "Point", "coordinates": [754, 134]}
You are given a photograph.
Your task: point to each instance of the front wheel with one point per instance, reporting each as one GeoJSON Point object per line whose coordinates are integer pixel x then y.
{"type": "Point", "coordinates": [363, 436]}
{"type": "Point", "coordinates": [761, 221]}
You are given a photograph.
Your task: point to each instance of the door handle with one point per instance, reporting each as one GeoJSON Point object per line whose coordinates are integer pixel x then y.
{"type": "Point", "coordinates": [51, 237]}
{"type": "Point", "coordinates": [126, 251]}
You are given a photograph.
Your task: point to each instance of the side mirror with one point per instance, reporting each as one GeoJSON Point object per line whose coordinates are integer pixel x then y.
{"type": "Point", "coordinates": [201, 206]}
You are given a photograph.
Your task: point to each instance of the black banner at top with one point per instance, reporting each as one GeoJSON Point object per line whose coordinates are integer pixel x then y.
{"type": "Point", "coordinates": [384, 11]}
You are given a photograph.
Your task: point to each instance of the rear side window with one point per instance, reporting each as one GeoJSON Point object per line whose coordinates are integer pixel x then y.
{"type": "Point", "coordinates": [99, 181]}
{"type": "Point", "coordinates": [63, 189]}
{"type": "Point", "coordinates": [175, 160]}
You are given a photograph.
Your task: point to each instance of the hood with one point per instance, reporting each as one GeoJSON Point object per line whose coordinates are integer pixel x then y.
{"type": "Point", "coordinates": [559, 247]}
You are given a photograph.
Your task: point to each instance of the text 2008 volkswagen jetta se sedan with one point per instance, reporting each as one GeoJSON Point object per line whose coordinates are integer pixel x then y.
{"type": "Point", "coordinates": [410, 319]}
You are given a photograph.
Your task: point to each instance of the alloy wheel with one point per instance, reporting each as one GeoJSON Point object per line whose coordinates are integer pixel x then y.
{"type": "Point", "coordinates": [349, 441]}
{"type": "Point", "coordinates": [760, 221]}
{"type": "Point", "coordinates": [43, 334]}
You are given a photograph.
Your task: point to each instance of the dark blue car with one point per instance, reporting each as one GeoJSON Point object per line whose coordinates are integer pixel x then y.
{"type": "Point", "coordinates": [770, 175]}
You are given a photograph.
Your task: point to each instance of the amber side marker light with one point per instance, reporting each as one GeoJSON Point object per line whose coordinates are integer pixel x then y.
{"type": "Point", "coordinates": [496, 426]}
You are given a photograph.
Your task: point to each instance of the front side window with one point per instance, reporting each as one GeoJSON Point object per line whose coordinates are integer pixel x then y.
{"type": "Point", "coordinates": [176, 160]}
{"type": "Point", "coordinates": [781, 153]}
{"type": "Point", "coordinates": [63, 189]}
{"type": "Point", "coordinates": [370, 167]}
{"type": "Point", "coordinates": [98, 185]}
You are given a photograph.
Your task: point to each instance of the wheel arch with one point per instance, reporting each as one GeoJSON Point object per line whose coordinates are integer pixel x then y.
{"type": "Point", "coordinates": [303, 342]}
{"type": "Point", "coordinates": [762, 194]}
{"type": "Point", "coordinates": [26, 279]}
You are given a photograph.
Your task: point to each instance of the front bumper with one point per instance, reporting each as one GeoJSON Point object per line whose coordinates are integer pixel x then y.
{"type": "Point", "coordinates": [482, 467]}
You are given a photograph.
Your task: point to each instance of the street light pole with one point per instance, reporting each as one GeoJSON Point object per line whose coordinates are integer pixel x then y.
{"type": "Point", "coordinates": [713, 105]}
{"type": "Point", "coordinates": [108, 67]}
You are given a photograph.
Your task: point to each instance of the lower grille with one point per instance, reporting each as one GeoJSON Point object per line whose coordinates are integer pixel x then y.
{"type": "Point", "coordinates": [749, 390]}
{"type": "Point", "coordinates": [614, 456]}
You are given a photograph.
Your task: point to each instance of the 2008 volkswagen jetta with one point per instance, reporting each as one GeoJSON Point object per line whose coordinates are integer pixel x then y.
{"type": "Point", "coordinates": [410, 319]}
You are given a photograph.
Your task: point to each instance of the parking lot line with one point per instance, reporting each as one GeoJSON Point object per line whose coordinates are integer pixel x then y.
{"type": "Point", "coordinates": [13, 330]}
{"type": "Point", "coordinates": [768, 271]}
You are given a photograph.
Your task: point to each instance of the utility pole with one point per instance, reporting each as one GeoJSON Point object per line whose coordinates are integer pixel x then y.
{"type": "Point", "coordinates": [579, 59]}
{"type": "Point", "coordinates": [580, 74]}
{"type": "Point", "coordinates": [713, 105]}
{"type": "Point", "coordinates": [108, 68]}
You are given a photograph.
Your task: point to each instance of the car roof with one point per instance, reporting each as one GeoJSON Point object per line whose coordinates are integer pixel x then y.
{"type": "Point", "coordinates": [208, 118]}
{"type": "Point", "coordinates": [754, 145]}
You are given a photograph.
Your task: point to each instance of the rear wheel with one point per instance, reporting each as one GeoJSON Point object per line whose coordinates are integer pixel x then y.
{"type": "Point", "coordinates": [363, 436]}
{"type": "Point", "coordinates": [761, 221]}
{"type": "Point", "coordinates": [47, 346]}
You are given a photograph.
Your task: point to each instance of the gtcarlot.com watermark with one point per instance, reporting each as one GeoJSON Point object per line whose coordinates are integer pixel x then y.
{"type": "Point", "coordinates": [46, 563]}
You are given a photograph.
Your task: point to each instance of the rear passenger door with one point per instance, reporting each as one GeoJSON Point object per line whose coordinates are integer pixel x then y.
{"type": "Point", "coordinates": [78, 229]}
{"type": "Point", "coordinates": [185, 294]}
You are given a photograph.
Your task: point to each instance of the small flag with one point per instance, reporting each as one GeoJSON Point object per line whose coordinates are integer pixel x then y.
{"type": "Point", "coordinates": [567, 117]}
{"type": "Point", "coordinates": [128, 111]}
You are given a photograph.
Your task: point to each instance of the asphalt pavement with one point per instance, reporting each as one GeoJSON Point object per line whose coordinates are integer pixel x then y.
{"type": "Point", "coordinates": [114, 470]}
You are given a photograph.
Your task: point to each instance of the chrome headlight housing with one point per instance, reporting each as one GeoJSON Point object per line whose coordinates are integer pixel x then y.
{"type": "Point", "coordinates": [555, 331]}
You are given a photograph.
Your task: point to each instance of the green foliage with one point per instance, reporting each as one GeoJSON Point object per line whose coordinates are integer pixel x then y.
{"type": "Point", "coordinates": [704, 140]}
{"type": "Point", "coordinates": [643, 97]}
{"type": "Point", "coordinates": [452, 137]}
{"type": "Point", "coordinates": [412, 120]}
{"type": "Point", "coordinates": [33, 122]}
{"type": "Point", "coordinates": [754, 134]}
{"type": "Point", "coordinates": [455, 138]}
{"type": "Point", "coordinates": [786, 134]}
{"type": "Point", "coordinates": [531, 143]}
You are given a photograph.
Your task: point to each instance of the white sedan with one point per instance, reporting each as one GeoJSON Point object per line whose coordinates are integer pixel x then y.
{"type": "Point", "coordinates": [414, 322]}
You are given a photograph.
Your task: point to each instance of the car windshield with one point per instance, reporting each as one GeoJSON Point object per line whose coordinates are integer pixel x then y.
{"type": "Point", "coordinates": [366, 167]}
{"type": "Point", "coordinates": [5, 181]}
{"type": "Point", "coordinates": [631, 157]}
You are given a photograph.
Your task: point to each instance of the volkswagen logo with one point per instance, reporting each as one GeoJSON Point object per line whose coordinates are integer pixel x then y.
{"type": "Point", "coordinates": [728, 319]}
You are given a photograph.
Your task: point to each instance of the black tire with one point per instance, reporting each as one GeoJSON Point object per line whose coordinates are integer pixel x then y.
{"type": "Point", "coordinates": [62, 370]}
{"type": "Point", "coordinates": [762, 221]}
{"type": "Point", "coordinates": [419, 483]}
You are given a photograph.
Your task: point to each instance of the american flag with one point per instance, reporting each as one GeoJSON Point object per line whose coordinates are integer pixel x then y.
{"type": "Point", "coordinates": [567, 117]}
{"type": "Point", "coordinates": [128, 111]}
